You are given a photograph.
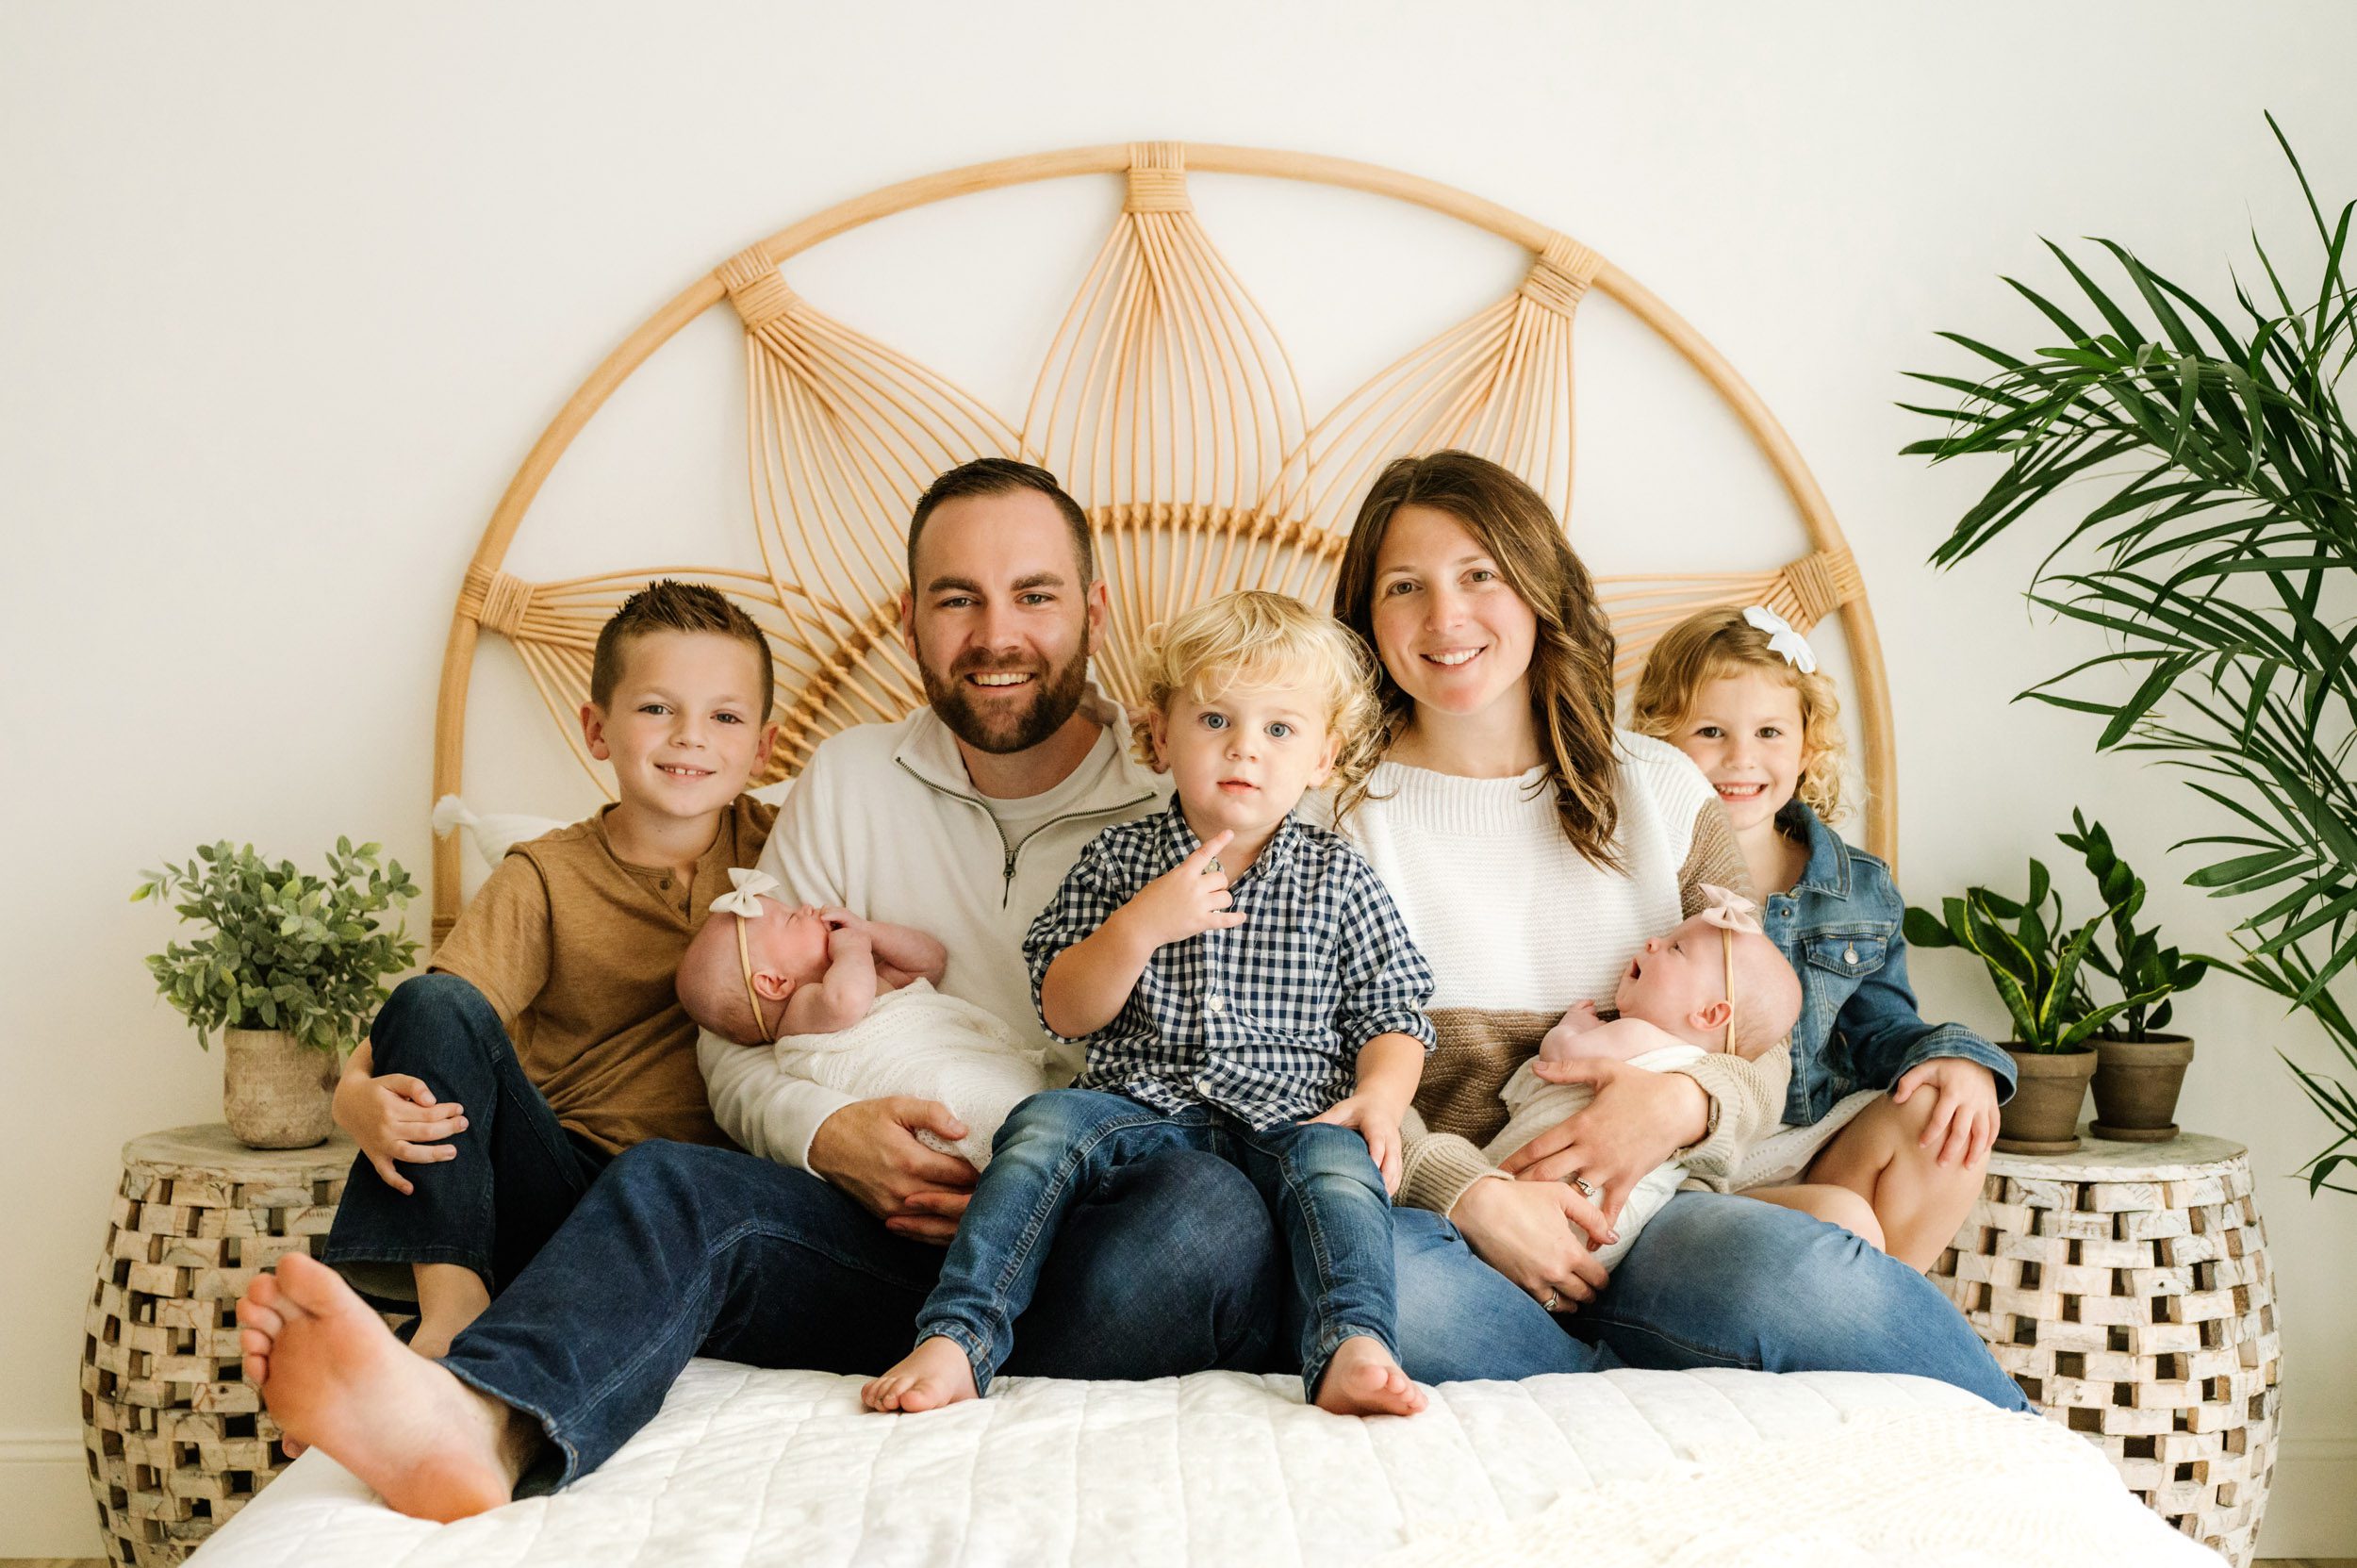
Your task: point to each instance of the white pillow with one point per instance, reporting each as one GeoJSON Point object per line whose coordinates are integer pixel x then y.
{"type": "Point", "coordinates": [495, 834]}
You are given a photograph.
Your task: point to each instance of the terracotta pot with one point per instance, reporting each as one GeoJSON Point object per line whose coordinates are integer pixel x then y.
{"type": "Point", "coordinates": [2135, 1087]}
{"type": "Point", "coordinates": [275, 1092]}
{"type": "Point", "coordinates": [2043, 1116]}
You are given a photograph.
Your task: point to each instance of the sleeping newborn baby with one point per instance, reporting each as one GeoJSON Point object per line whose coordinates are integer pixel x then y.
{"type": "Point", "coordinates": [823, 996]}
{"type": "Point", "coordinates": [1715, 983]}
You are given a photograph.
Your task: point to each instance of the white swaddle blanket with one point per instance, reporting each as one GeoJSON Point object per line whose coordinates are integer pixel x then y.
{"type": "Point", "coordinates": [914, 1041]}
{"type": "Point", "coordinates": [1534, 1105]}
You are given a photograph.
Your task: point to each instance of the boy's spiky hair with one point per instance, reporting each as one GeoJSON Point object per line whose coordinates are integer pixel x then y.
{"type": "Point", "coordinates": [1257, 638]}
{"type": "Point", "coordinates": [668, 605]}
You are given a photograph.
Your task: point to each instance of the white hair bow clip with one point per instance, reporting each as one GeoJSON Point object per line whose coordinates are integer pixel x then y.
{"type": "Point", "coordinates": [1729, 910]}
{"type": "Point", "coordinates": [1782, 639]}
{"type": "Point", "coordinates": [745, 899]}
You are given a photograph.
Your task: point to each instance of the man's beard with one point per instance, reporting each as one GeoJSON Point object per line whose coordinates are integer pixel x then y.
{"type": "Point", "coordinates": [1055, 696]}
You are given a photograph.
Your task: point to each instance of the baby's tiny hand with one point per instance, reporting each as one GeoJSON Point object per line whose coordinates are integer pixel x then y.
{"type": "Point", "coordinates": [1378, 1124]}
{"type": "Point", "coordinates": [850, 944]}
{"type": "Point", "coordinates": [1562, 1042]}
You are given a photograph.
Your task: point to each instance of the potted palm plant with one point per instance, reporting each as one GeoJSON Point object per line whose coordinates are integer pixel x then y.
{"type": "Point", "coordinates": [287, 969]}
{"type": "Point", "coordinates": [2207, 466]}
{"type": "Point", "coordinates": [2139, 1068]}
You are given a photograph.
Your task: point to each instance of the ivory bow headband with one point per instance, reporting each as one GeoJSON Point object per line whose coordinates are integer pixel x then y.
{"type": "Point", "coordinates": [1734, 916]}
{"type": "Point", "coordinates": [742, 899]}
{"type": "Point", "coordinates": [1782, 639]}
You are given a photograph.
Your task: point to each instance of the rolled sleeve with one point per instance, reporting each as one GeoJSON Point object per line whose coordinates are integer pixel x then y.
{"type": "Point", "coordinates": [1887, 1038]}
{"type": "Point", "coordinates": [1385, 980]}
{"type": "Point", "coordinates": [1089, 894]}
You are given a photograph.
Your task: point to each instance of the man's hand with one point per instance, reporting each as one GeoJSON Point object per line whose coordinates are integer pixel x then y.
{"type": "Point", "coordinates": [1963, 1118]}
{"type": "Point", "coordinates": [869, 1149]}
{"type": "Point", "coordinates": [1185, 900]}
{"type": "Point", "coordinates": [1540, 1237]}
{"type": "Point", "coordinates": [396, 1118]}
{"type": "Point", "coordinates": [1637, 1121]}
{"type": "Point", "coordinates": [1377, 1121]}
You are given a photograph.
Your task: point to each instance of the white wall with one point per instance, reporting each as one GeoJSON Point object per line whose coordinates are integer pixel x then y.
{"type": "Point", "coordinates": [290, 291]}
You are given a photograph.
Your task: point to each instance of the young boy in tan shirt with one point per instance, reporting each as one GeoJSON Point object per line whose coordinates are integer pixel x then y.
{"type": "Point", "coordinates": [548, 1036]}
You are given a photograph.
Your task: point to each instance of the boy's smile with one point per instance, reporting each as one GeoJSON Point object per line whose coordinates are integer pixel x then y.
{"type": "Point", "coordinates": [682, 731]}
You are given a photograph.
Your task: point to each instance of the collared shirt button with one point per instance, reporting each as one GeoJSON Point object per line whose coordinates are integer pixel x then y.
{"type": "Point", "coordinates": [1214, 1003]}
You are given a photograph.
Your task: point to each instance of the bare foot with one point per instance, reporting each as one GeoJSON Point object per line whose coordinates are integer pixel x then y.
{"type": "Point", "coordinates": [936, 1373]}
{"type": "Point", "coordinates": [1362, 1380]}
{"type": "Point", "coordinates": [335, 1378]}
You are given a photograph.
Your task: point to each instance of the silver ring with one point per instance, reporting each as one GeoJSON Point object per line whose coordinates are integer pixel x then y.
{"type": "Point", "coordinates": [1587, 1188]}
{"type": "Point", "coordinates": [1552, 1301]}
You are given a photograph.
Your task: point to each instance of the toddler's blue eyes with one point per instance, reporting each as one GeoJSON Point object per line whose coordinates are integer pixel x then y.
{"type": "Point", "coordinates": [1215, 721]}
{"type": "Point", "coordinates": [1279, 730]}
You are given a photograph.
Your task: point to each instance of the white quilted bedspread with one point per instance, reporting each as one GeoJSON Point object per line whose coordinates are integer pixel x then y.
{"type": "Point", "coordinates": [1708, 1469]}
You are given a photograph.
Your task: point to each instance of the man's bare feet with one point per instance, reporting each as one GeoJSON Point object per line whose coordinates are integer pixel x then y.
{"type": "Point", "coordinates": [1362, 1380]}
{"type": "Point", "coordinates": [335, 1378]}
{"type": "Point", "coordinates": [936, 1373]}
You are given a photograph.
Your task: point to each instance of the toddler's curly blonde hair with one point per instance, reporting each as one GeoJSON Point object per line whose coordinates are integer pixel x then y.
{"type": "Point", "coordinates": [1717, 642]}
{"type": "Point", "coordinates": [1256, 639]}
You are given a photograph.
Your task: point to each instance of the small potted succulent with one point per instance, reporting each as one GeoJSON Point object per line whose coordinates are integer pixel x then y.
{"type": "Point", "coordinates": [287, 969]}
{"type": "Point", "coordinates": [2039, 968]}
{"type": "Point", "coordinates": [2139, 1069]}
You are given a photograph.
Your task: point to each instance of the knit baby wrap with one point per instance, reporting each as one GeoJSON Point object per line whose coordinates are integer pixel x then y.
{"type": "Point", "coordinates": [1536, 1105]}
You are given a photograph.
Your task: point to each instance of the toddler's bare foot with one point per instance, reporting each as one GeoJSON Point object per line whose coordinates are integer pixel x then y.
{"type": "Point", "coordinates": [1362, 1380]}
{"type": "Point", "coordinates": [334, 1378]}
{"type": "Point", "coordinates": [936, 1373]}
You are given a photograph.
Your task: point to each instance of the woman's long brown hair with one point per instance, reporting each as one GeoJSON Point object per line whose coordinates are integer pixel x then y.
{"type": "Point", "coordinates": [1570, 661]}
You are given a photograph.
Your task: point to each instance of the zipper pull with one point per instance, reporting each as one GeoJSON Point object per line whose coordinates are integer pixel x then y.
{"type": "Point", "coordinates": [1006, 890]}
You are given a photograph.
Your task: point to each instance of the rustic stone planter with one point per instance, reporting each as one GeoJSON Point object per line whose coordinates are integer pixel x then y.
{"type": "Point", "coordinates": [2043, 1116]}
{"type": "Point", "coordinates": [275, 1092]}
{"type": "Point", "coordinates": [2135, 1087]}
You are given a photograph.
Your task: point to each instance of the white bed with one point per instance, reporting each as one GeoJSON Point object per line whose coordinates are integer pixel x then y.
{"type": "Point", "coordinates": [1719, 1468]}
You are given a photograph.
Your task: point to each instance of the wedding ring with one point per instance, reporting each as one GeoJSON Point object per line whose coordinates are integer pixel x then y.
{"type": "Point", "coordinates": [1587, 1188]}
{"type": "Point", "coordinates": [1552, 1301]}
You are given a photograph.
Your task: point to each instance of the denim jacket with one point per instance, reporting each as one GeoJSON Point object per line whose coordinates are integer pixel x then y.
{"type": "Point", "coordinates": [1838, 928]}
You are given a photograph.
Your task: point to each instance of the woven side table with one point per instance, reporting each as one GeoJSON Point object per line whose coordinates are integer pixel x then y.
{"type": "Point", "coordinates": [2126, 1287]}
{"type": "Point", "coordinates": [176, 1438]}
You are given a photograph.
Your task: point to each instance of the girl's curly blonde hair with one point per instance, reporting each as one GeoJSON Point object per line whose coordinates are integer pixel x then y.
{"type": "Point", "coordinates": [1719, 642]}
{"type": "Point", "coordinates": [1256, 639]}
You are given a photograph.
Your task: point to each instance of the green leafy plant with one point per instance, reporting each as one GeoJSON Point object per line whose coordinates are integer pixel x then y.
{"type": "Point", "coordinates": [2147, 974]}
{"type": "Point", "coordinates": [2036, 967]}
{"type": "Point", "coordinates": [2210, 468]}
{"type": "Point", "coordinates": [285, 950]}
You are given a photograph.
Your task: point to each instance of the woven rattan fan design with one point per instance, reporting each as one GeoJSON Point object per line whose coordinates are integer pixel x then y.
{"type": "Point", "coordinates": [1169, 407]}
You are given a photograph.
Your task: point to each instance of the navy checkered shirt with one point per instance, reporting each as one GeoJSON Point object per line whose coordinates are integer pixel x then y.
{"type": "Point", "coordinates": [1264, 1021]}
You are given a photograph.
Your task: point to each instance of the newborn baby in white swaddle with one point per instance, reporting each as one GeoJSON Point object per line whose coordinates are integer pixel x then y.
{"type": "Point", "coordinates": [1714, 983]}
{"type": "Point", "coordinates": [829, 997]}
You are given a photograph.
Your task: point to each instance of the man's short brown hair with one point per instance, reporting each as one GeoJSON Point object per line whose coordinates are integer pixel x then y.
{"type": "Point", "coordinates": [667, 605]}
{"type": "Point", "coordinates": [999, 476]}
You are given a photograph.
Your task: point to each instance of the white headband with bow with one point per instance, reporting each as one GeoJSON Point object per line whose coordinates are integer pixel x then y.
{"type": "Point", "coordinates": [745, 898]}
{"type": "Point", "coordinates": [1782, 639]}
{"type": "Point", "coordinates": [1734, 916]}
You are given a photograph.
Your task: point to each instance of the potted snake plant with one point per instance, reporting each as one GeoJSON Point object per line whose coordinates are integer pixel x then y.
{"type": "Point", "coordinates": [2035, 961]}
{"type": "Point", "coordinates": [287, 969]}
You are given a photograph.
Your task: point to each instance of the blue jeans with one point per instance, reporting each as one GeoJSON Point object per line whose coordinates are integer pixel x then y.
{"type": "Point", "coordinates": [680, 1250]}
{"type": "Point", "coordinates": [1712, 1280]}
{"type": "Point", "coordinates": [1317, 1178]}
{"type": "Point", "coordinates": [517, 1173]}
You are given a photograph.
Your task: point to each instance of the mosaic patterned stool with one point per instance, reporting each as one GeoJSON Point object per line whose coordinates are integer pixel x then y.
{"type": "Point", "coordinates": [2126, 1287]}
{"type": "Point", "coordinates": [176, 1438]}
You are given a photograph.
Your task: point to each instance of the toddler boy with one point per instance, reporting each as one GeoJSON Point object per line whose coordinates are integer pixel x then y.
{"type": "Point", "coordinates": [1242, 985]}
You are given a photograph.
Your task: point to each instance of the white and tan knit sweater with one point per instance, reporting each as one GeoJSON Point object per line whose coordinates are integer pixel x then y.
{"type": "Point", "coordinates": [1517, 927]}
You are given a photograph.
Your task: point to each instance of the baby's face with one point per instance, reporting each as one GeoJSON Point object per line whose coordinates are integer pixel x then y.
{"type": "Point", "coordinates": [1676, 975]}
{"type": "Point", "coordinates": [1244, 759]}
{"type": "Point", "coordinates": [788, 940]}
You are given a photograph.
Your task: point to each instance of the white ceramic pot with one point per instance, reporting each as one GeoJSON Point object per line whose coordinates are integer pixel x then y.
{"type": "Point", "coordinates": [276, 1092]}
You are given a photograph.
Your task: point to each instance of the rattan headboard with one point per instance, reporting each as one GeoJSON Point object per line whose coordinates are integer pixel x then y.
{"type": "Point", "coordinates": [1168, 406]}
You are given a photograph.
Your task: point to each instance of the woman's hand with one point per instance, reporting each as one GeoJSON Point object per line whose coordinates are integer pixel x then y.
{"type": "Point", "coordinates": [1963, 1118]}
{"type": "Point", "coordinates": [1537, 1236]}
{"type": "Point", "coordinates": [1637, 1121]}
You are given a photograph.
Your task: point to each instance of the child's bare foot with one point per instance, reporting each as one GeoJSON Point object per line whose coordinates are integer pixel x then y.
{"type": "Point", "coordinates": [936, 1373]}
{"type": "Point", "coordinates": [1362, 1380]}
{"type": "Point", "coordinates": [334, 1378]}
